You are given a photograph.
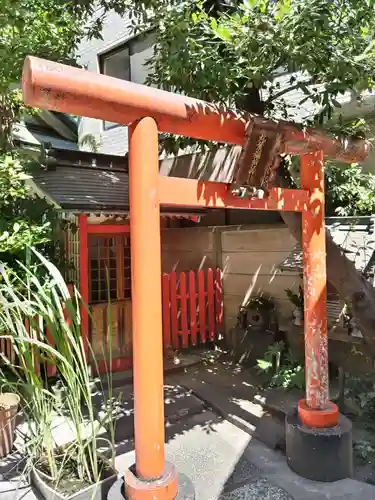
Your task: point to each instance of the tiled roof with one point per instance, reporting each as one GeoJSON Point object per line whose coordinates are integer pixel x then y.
{"type": "Point", "coordinates": [84, 188]}
{"type": "Point", "coordinates": [90, 189]}
{"type": "Point", "coordinates": [356, 237]}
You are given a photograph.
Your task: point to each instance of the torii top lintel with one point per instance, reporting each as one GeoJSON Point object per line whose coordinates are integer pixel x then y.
{"type": "Point", "coordinates": [57, 87]}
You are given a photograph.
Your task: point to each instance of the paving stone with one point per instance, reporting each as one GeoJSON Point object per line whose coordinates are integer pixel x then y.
{"type": "Point", "coordinates": [257, 490]}
{"type": "Point", "coordinates": [243, 471]}
{"type": "Point", "coordinates": [178, 403]}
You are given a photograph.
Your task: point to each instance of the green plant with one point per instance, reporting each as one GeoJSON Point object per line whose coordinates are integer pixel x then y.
{"type": "Point", "coordinates": [262, 303]}
{"type": "Point", "coordinates": [365, 451]}
{"type": "Point", "coordinates": [41, 319]}
{"type": "Point", "coordinates": [52, 30]}
{"type": "Point", "coordinates": [349, 191]}
{"type": "Point", "coordinates": [297, 299]}
{"type": "Point", "coordinates": [284, 370]}
{"type": "Point", "coordinates": [290, 377]}
{"type": "Point", "coordinates": [360, 391]}
{"type": "Point", "coordinates": [272, 358]}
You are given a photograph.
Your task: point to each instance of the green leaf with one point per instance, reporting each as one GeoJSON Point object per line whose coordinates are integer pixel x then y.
{"type": "Point", "coordinates": [264, 365]}
{"type": "Point", "coordinates": [223, 32]}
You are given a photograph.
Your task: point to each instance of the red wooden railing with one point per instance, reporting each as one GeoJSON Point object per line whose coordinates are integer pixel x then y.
{"type": "Point", "coordinates": [192, 314]}
{"type": "Point", "coordinates": [6, 349]}
{"type": "Point", "coordinates": [192, 307]}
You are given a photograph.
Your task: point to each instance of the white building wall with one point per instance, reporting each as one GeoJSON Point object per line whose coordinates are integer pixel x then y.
{"type": "Point", "coordinates": [116, 31]}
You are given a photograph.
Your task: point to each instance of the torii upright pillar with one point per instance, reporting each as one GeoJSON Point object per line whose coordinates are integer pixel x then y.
{"type": "Point", "coordinates": [318, 439]}
{"type": "Point", "coordinates": [153, 475]}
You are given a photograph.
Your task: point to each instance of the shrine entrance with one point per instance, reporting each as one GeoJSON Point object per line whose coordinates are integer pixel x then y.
{"type": "Point", "coordinates": [148, 112]}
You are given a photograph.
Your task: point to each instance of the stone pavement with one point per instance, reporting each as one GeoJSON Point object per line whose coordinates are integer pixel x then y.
{"type": "Point", "coordinates": [226, 463]}
{"type": "Point", "coordinates": [215, 447]}
{"type": "Point", "coordinates": [235, 393]}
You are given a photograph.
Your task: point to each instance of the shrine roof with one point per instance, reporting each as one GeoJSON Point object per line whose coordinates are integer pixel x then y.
{"type": "Point", "coordinates": [355, 236]}
{"type": "Point", "coordinates": [88, 183]}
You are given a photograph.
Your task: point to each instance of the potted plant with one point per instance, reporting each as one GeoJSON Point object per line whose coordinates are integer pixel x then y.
{"type": "Point", "coordinates": [72, 469]}
{"type": "Point", "coordinates": [8, 411]}
{"type": "Point", "coordinates": [297, 299]}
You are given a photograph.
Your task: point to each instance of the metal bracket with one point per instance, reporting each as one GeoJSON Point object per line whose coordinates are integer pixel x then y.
{"type": "Point", "coordinates": [249, 192]}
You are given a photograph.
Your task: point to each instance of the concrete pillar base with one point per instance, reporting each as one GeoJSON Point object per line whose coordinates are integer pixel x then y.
{"type": "Point", "coordinates": [171, 486]}
{"type": "Point", "coordinates": [319, 454]}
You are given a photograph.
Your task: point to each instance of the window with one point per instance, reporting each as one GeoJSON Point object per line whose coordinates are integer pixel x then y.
{"type": "Point", "coordinates": [117, 64]}
{"type": "Point", "coordinates": [128, 62]}
{"type": "Point", "coordinates": [109, 268]}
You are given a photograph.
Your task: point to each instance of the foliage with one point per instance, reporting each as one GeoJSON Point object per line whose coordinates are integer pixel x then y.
{"type": "Point", "coordinates": [25, 219]}
{"type": "Point", "coordinates": [42, 28]}
{"type": "Point", "coordinates": [364, 450]}
{"type": "Point", "coordinates": [284, 370]}
{"type": "Point", "coordinates": [360, 403]}
{"type": "Point", "coordinates": [296, 299]}
{"type": "Point", "coordinates": [89, 142]}
{"type": "Point", "coordinates": [41, 320]}
{"type": "Point", "coordinates": [218, 53]}
{"type": "Point", "coordinates": [261, 303]}
{"type": "Point", "coordinates": [360, 390]}
{"type": "Point", "coordinates": [349, 191]}
{"type": "Point", "coordinates": [52, 30]}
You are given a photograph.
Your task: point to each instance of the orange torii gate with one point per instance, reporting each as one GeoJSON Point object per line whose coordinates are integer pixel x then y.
{"type": "Point", "coordinates": [148, 111]}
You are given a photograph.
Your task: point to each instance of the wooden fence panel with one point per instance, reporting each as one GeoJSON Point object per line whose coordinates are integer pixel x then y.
{"type": "Point", "coordinates": [210, 304]}
{"type": "Point", "coordinates": [192, 307]}
{"type": "Point", "coordinates": [219, 301]}
{"type": "Point", "coordinates": [173, 308]}
{"type": "Point", "coordinates": [183, 309]}
{"type": "Point", "coordinates": [202, 307]}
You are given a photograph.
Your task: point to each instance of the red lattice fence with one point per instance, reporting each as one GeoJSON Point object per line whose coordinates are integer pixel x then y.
{"type": "Point", "coordinates": [192, 307]}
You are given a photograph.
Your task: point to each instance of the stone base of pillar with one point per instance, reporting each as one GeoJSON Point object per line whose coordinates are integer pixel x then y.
{"type": "Point", "coordinates": [171, 486]}
{"type": "Point", "coordinates": [319, 454]}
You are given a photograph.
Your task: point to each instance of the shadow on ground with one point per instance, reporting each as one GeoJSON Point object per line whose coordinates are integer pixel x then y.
{"type": "Point", "coordinates": [217, 424]}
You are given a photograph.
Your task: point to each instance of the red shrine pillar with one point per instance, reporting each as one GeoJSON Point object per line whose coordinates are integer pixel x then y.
{"type": "Point", "coordinates": [318, 440]}
{"type": "Point", "coordinates": [316, 410]}
{"type": "Point", "coordinates": [153, 477]}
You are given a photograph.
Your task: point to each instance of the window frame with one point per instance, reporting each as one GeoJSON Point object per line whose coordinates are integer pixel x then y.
{"type": "Point", "coordinates": [128, 44]}
{"type": "Point", "coordinates": [123, 273]}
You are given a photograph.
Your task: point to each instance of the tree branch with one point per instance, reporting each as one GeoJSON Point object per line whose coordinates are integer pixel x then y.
{"type": "Point", "coordinates": [286, 91]}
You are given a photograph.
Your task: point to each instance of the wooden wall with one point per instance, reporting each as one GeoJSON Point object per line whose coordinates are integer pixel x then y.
{"type": "Point", "coordinates": [248, 255]}
{"type": "Point", "coordinates": [184, 249]}
{"type": "Point", "coordinates": [120, 329]}
{"type": "Point", "coordinates": [249, 261]}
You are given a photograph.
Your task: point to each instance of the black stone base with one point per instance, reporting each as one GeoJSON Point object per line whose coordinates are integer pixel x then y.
{"type": "Point", "coordinates": [319, 454]}
{"type": "Point", "coordinates": [185, 489]}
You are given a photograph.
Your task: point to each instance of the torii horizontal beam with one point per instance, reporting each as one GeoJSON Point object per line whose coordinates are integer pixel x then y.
{"type": "Point", "coordinates": [57, 87]}
{"type": "Point", "coordinates": [199, 194]}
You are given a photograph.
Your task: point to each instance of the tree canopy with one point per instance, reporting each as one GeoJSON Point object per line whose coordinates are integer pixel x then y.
{"type": "Point", "coordinates": [45, 28]}
{"type": "Point", "coordinates": [233, 53]}
{"type": "Point", "coordinates": [220, 50]}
